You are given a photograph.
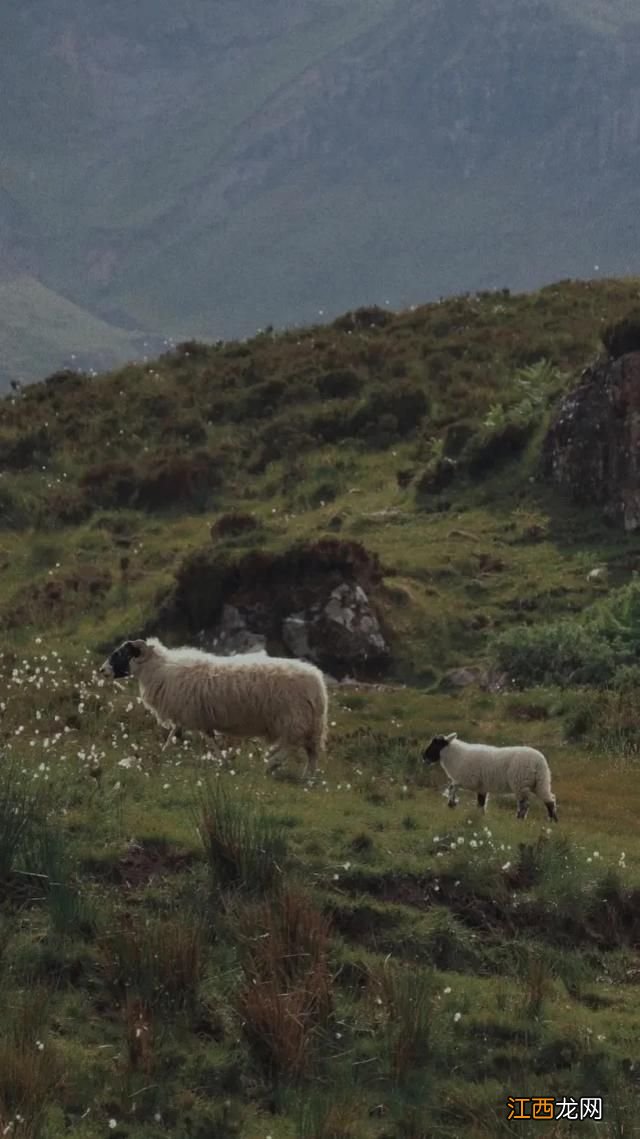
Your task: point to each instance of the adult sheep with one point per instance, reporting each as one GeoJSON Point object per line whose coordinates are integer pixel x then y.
{"type": "Point", "coordinates": [283, 701]}
{"type": "Point", "coordinates": [481, 768]}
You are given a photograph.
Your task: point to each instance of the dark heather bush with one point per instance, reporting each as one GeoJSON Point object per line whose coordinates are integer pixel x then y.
{"type": "Point", "coordinates": [179, 479]}
{"type": "Point", "coordinates": [338, 384]}
{"type": "Point", "coordinates": [622, 336]}
{"type": "Point", "coordinates": [25, 449]}
{"type": "Point", "coordinates": [111, 484]}
{"type": "Point", "coordinates": [489, 448]}
{"type": "Point", "coordinates": [406, 401]}
{"type": "Point", "coordinates": [234, 523]}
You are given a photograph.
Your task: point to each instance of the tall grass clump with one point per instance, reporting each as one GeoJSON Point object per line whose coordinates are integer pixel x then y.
{"type": "Point", "coordinates": [403, 1003]}
{"type": "Point", "coordinates": [21, 809]}
{"type": "Point", "coordinates": [156, 961]}
{"type": "Point", "coordinates": [46, 857]}
{"type": "Point", "coordinates": [285, 1000]}
{"type": "Point", "coordinates": [31, 1069]}
{"type": "Point", "coordinates": [559, 877]}
{"type": "Point", "coordinates": [245, 846]}
{"type": "Point", "coordinates": [328, 1113]}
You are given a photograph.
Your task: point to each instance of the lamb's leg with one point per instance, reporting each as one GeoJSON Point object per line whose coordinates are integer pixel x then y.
{"type": "Point", "coordinates": [452, 798]}
{"type": "Point", "coordinates": [482, 800]}
{"type": "Point", "coordinates": [523, 807]}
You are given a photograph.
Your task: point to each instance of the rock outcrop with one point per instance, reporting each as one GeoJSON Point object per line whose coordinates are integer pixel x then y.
{"type": "Point", "coordinates": [592, 450]}
{"type": "Point", "coordinates": [315, 601]}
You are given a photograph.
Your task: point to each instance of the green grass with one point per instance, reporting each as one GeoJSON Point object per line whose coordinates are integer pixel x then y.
{"type": "Point", "coordinates": [215, 953]}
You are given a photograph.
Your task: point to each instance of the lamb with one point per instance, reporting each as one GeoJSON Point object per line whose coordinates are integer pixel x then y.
{"type": "Point", "coordinates": [283, 701]}
{"type": "Point", "coordinates": [481, 768]}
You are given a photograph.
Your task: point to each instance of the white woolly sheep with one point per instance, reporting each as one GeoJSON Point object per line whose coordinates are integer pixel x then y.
{"type": "Point", "coordinates": [481, 768]}
{"type": "Point", "coordinates": [283, 701]}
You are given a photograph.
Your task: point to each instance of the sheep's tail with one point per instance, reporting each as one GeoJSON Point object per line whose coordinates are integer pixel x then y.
{"type": "Point", "coordinates": [316, 742]}
{"type": "Point", "coordinates": [322, 726]}
{"type": "Point", "coordinates": [543, 789]}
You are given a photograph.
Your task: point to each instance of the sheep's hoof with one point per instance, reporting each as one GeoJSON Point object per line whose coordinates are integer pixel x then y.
{"type": "Point", "coordinates": [453, 803]}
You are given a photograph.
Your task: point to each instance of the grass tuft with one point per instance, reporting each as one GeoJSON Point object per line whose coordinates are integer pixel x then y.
{"type": "Point", "coordinates": [245, 846]}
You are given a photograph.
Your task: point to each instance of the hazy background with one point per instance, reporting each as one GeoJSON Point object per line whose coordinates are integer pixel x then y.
{"type": "Point", "coordinates": [177, 168]}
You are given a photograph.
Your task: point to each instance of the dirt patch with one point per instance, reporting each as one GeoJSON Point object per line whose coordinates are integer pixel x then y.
{"type": "Point", "coordinates": [143, 863]}
{"type": "Point", "coordinates": [611, 920]}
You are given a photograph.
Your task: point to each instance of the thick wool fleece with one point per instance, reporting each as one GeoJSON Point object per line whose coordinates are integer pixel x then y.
{"type": "Point", "coordinates": [280, 700]}
{"type": "Point", "coordinates": [481, 768]}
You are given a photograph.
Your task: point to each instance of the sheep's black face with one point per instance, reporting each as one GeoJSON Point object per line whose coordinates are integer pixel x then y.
{"type": "Point", "coordinates": [431, 754]}
{"type": "Point", "coordinates": [118, 665]}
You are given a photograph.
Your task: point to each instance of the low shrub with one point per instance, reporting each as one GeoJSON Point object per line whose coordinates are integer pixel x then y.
{"type": "Point", "coordinates": [111, 485]}
{"type": "Point", "coordinates": [405, 401]}
{"type": "Point", "coordinates": [562, 652]}
{"type": "Point", "coordinates": [622, 336]}
{"type": "Point", "coordinates": [25, 449]}
{"type": "Point", "coordinates": [367, 317]}
{"type": "Point", "coordinates": [339, 384]}
{"type": "Point", "coordinates": [233, 524]}
{"type": "Point", "coordinates": [494, 445]}
{"type": "Point", "coordinates": [606, 721]}
{"type": "Point", "coordinates": [171, 479]}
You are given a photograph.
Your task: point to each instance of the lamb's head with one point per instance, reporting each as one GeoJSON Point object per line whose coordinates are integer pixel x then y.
{"type": "Point", "coordinates": [125, 659]}
{"type": "Point", "coordinates": [433, 752]}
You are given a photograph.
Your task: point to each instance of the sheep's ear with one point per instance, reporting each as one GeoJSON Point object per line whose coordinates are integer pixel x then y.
{"type": "Point", "coordinates": [451, 736]}
{"type": "Point", "coordinates": [137, 648]}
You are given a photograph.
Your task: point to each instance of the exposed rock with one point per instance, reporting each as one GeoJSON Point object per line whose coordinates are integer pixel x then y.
{"type": "Point", "coordinates": [592, 450]}
{"type": "Point", "coordinates": [346, 632]}
{"type": "Point", "coordinates": [486, 678]}
{"type": "Point", "coordinates": [295, 634]}
{"type": "Point", "coordinates": [461, 677]}
{"type": "Point", "coordinates": [232, 635]}
{"type": "Point", "coordinates": [314, 600]}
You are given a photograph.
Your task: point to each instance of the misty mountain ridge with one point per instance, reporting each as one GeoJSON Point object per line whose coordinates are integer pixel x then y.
{"type": "Point", "coordinates": [205, 173]}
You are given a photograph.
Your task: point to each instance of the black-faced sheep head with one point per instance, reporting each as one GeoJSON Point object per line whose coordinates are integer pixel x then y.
{"type": "Point", "coordinates": [432, 753]}
{"type": "Point", "coordinates": [121, 663]}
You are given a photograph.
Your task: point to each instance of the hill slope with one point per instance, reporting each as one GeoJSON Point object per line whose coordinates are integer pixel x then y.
{"type": "Point", "coordinates": [191, 948]}
{"type": "Point", "coordinates": [192, 174]}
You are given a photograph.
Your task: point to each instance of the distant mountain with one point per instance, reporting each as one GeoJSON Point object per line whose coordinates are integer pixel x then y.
{"type": "Point", "coordinates": [182, 169]}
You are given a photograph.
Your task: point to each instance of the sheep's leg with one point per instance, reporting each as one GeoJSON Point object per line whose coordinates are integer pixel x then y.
{"type": "Point", "coordinates": [275, 757]}
{"type": "Point", "coordinates": [482, 800]}
{"type": "Point", "coordinates": [452, 798]}
{"type": "Point", "coordinates": [552, 810]}
{"type": "Point", "coordinates": [214, 745]}
{"type": "Point", "coordinates": [312, 761]}
{"type": "Point", "coordinates": [523, 807]}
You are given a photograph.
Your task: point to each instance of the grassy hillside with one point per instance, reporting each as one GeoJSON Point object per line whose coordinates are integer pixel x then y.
{"type": "Point", "coordinates": [195, 949]}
